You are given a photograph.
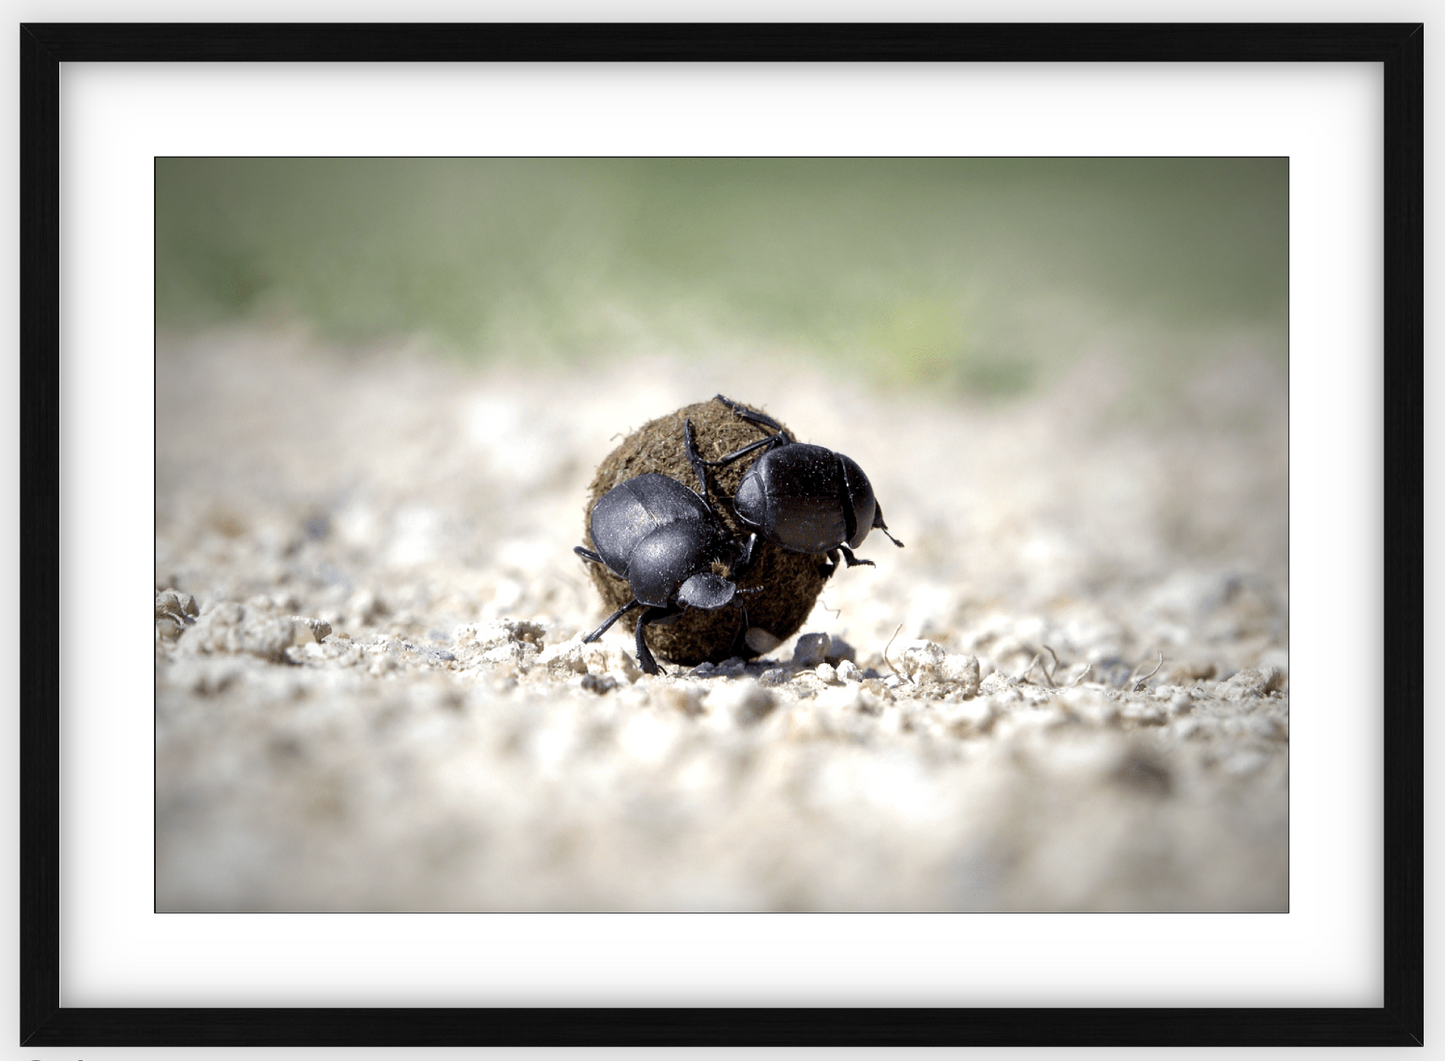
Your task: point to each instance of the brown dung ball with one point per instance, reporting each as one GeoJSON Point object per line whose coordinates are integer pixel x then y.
{"type": "Point", "coordinates": [790, 582]}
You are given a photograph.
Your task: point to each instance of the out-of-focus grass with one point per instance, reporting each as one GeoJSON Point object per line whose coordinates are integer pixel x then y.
{"type": "Point", "coordinates": [970, 274]}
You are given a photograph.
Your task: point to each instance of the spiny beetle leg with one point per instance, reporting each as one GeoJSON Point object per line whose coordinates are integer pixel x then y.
{"type": "Point", "coordinates": [769, 440]}
{"type": "Point", "coordinates": [853, 561]}
{"type": "Point", "coordinates": [745, 561]}
{"type": "Point", "coordinates": [695, 458]}
{"type": "Point", "coordinates": [607, 623]}
{"type": "Point", "coordinates": [644, 654]}
{"type": "Point", "coordinates": [761, 419]}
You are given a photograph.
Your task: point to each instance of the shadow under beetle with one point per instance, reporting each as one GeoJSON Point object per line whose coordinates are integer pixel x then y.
{"type": "Point", "coordinates": [802, 498]}
{"type": "Point", "coordinates": [664, 539]}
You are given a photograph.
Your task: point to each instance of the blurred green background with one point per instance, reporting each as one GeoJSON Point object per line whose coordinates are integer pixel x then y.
{"type": "Point", "coordinates": [981, 276]}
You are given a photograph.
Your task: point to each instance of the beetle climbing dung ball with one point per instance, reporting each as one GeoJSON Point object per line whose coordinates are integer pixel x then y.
{"type": "Point", "coordinates": [668, 544]}
{"type": "Point", "coordinates": [776, 589]}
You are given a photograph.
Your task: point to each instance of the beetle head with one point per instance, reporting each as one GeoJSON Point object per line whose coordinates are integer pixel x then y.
{"type": "Point", "coordinates": [706, 590]}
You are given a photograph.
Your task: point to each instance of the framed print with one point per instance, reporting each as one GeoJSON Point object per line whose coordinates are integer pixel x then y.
{"type": "Point", "coordinates": [1094, 306]}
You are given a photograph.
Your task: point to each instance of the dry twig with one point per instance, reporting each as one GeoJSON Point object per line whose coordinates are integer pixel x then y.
{"type": "Point", "coordinates": [889, 661]}
{"type": "Point", "coordinates": [1139, 684]}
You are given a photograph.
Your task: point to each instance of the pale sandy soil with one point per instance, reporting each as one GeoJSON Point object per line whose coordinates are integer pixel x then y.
{"type": "Point", "coordinates": [449, 744]}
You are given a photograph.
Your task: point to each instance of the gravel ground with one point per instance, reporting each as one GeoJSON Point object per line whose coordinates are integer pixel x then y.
{"type": "Point", "coordinates": [371, 692]}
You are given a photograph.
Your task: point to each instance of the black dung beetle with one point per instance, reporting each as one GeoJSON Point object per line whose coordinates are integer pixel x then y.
{"type": "Point", "coordinates": [664, 539]}
{"type": "Point", "coordinates": [806, 499]}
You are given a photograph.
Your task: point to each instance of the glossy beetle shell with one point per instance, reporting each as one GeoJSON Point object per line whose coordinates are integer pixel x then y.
{"type": "Point", "coordinates": [790, 581]}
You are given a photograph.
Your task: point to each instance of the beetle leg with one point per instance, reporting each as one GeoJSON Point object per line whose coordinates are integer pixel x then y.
{"type": "Point", "coordinates": [587, 554]}
{"type": "Point", "coordinates": [742, 635]}
{"type": "Point", "coordinates": [695, 458]}
{"type": "Point", "coordinates": [744, 561]}
{"type": "Point", "coordinates": [761, 419]}
{"type": "Point", "coordinates": [644, 655]}
{"type": "Point", "coordinates": [826, 570]}
{"type": "Point", "coordinates": [853, 561]}
{"type": "Point", "coordinates": [595, 634]}
{"type": "Point", "coordinates": [768, 440]}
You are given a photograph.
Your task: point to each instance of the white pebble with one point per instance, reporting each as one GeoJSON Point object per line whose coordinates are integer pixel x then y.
{"type": "Point", "coordinates": [920, 660]}
{"type": "Point", "coordinates": [961, 671]}
{"type": "Point", "coordinates": [305, 631]}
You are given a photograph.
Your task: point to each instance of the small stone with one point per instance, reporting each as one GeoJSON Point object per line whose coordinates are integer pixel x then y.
{"type": "Point", "coordinates": [876, 686]}
{"type": "Point", "coordinates": [921, 660]}
{"type": "Point", "coordinates": [1276, 679]}
{"type": "Point", "coordinates": [610, 658]}
{"type": "Point", "coordinates": [599, 684]}
{"type": "Point", "coordinates": [739, 703]}
{"type": "Point", "coordinates": [174, 612]}
{"type": "Point", "coordinates": [826, 673]}
{"type": "Point", "coordinates": [232, 628]}
{"type": "Point", "coordinates": [774, 676]}
{"type": "Point", "coordinates": [501, 631]}
{"type": "Point", "coordinates": [178, 605]}
{"type": "Point", "coordinates": [760, 640]}
{"type": "Point", "coordinates": [961, 671]}
{"type": "Point", "coordinates": [305, 631]}
{"type": "Point", "coordinates": [995, 682]}
{"type": "Point", "coordinates": [1181, 703]}
{"type": "Point", "coordinates": [563, 659]}
{"type": "Point", "coordinates": [848, 671]}
{"type": "Point", "coordinates": [1250, 684]}
{"type": "Point", "coordinates": [811, 650]}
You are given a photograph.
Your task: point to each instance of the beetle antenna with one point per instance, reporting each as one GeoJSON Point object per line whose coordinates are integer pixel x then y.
{"type": "Point", "coordinates": [878, 524]}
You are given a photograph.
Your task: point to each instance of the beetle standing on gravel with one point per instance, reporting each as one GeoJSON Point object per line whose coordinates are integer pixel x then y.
{"type": "Point", "coordinates": [664, 540]}
{"type": "Point", "coordinates": [802, 498]}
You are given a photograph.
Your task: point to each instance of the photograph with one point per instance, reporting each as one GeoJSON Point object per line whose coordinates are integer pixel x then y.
{"type": "Point", "coordinates": [722, 534]}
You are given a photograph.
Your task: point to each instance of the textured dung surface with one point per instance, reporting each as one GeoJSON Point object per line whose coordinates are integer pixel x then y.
{"type": "Point", "coordinates": [787, 584]}
{"type": "Point", "coordinates": [371, 691]}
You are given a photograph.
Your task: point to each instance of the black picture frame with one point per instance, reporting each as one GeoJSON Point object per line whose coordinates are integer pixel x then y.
{"type": "Point", "coordinates": [45, 1023]}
